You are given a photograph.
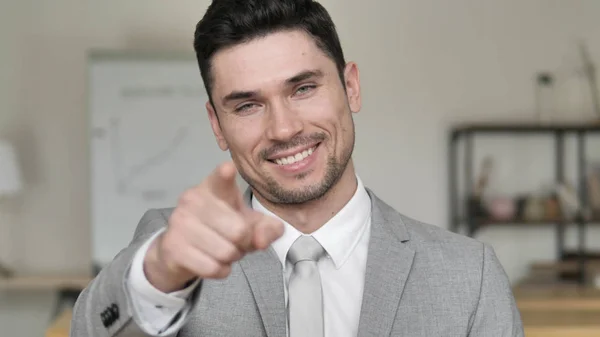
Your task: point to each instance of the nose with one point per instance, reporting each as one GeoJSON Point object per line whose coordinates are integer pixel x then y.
{"type": "Point", "coordinates": [283, 123]}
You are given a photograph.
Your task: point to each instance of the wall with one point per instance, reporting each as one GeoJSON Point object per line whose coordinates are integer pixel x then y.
{"type": "Point", "coordinates": [425, 65]}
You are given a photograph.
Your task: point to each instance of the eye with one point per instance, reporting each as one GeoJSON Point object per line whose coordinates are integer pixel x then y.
{"type": "Point", "coordinates": [245, 107]}
{"type": "Point", "coordinates": [303, 90]}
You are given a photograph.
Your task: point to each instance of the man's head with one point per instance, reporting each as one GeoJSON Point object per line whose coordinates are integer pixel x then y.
{"type": "Point", "coordinates": [279, 87]}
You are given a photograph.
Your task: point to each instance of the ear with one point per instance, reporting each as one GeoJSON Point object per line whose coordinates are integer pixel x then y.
{"type": "Point", "coordinates": [216, 126]}
{"type": "Point", "coordinates": [352, 83]}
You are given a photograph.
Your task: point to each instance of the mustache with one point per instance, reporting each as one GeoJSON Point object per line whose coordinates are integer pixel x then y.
{"type": "Point", "coordinates": [299, 140]}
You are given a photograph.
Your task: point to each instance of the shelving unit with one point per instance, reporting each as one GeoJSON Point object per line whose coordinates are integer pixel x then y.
{"type": "Point", "coordinates": [464, 135]}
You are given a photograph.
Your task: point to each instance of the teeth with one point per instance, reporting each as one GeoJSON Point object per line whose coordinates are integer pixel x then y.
{"type": "Point", "coordinates": [296, 158]}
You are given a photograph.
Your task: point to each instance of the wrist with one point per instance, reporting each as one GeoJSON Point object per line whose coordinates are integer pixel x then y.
{"type": "Point", "coordinates": [160, 276]}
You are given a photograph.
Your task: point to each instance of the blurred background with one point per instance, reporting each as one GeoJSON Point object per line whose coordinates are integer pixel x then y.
{"type": "Point", "coordinates": [478, 116]}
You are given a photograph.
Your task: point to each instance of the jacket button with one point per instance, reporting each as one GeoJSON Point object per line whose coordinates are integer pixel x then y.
{"type": "Point", "coordinates": [110, 315]}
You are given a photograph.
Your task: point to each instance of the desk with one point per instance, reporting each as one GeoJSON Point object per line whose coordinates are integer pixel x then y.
{"type": "Point", "coordinates": [557, 298]}
{"type": "Point", "coordinates": [67, 287]}
{"type": "Point", "coordinates": [546, 312]}
{"type": "Point", "coordinates": [60, 328]}
{"type": "Point", "coordinates": [559, 311]}
{"type": "Point", "coordinates": [537, 324]}
{"type": "Point", "coordinates": [561, 323]}
{"type": "Point", "coordinates": [40, 282]}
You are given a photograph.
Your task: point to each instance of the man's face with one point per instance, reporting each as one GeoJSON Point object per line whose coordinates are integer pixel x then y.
{"type": "Point", "coordinates": [284, 115]}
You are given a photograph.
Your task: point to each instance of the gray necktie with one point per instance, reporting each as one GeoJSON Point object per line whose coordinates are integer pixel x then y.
{"type": "Point", "coordinates": [305, 296]}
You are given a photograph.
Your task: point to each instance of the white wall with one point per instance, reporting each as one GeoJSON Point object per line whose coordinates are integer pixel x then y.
{"type": "Point", "coordinates": [425, 65]}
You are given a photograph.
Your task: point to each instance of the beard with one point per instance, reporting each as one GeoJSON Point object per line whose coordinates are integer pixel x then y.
{"type": "Point", "coordinates": [276, 193]}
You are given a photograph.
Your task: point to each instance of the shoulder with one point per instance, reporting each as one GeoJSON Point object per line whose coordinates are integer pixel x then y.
{"type": "Point", "coordinates": [431, 243]}
{"type": "Point", "coordinates": [427, 235]}
{"type": "Point", "coordinates": [444, 260]}
{"type": "Point", "coordinates": [440, 246]}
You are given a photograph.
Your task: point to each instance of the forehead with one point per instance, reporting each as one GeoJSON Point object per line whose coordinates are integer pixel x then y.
{"type": "Point", "coordinates": [266, 60]}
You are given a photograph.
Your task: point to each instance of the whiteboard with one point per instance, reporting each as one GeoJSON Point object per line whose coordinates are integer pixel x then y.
{"type": "Point", "coordinates": [150, 139]}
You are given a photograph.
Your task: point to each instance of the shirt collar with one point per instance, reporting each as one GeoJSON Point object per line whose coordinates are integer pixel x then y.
{"type": "Point", "coordinates": [338, 236]}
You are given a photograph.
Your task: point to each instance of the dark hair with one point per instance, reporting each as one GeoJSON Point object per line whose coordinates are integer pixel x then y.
{"type": "Point", "coordinates": [231, 22]}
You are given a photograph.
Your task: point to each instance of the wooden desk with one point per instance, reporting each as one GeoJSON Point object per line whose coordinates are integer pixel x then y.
{"type": "Point", "coordinates": [60, 328]}
{"type": "Point", "coordinates": [557, 298]}
{"type": "Point", "coordinates": [66, 287]}
{"type": "Point", "coordinates": [37, 282]}
{"type": "Point", "coordinates": [559, 311]}
{"type": "Point", "coordinates": [561, 323]}
{"type": "Point", "coordinates": [546, 312]}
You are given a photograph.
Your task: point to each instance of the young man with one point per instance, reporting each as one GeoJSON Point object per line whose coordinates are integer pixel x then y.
{"type": "Point", "coordinates": [307, 250]}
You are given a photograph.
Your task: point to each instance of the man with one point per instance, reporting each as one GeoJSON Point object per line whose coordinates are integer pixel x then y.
{"type": "Point", "coordinates": [307, 250]}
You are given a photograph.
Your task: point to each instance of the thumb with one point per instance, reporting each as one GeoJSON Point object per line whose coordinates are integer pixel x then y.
{"type": "Point", "coordinates": [267, 229]}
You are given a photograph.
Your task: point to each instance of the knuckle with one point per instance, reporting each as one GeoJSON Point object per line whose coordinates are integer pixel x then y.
{"type": "Point", "coordinates": [238, 232]}
{"type": "Point", "coordinates": [178, 226]}
{"type": "Point", "coordinates": [229, 254]}
{"type": "Point", "coordinates": [225, 271]}
{"type": "Point", "coordinates": [213, 269]}
{"type": "Point", "coordinates": [189, 198]}
{"type": "Point", "coordinates": [178, 217]}
{"type": "Point", "coordinates": [182, 221]}
{"type": "Point", "coordinates": [184, 198]}
{"type": "Point", "coordinates": [277, 228]}
{"type": "Point", "coordinates": [173, 241]}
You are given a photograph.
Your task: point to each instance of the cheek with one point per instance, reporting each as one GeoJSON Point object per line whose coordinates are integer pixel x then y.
{"type": "Point", "coordinates": [325, 108]}
{"type": "Point", "coordinates": [243, 137]}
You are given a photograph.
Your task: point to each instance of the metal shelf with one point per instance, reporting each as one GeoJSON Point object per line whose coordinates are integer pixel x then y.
{"type": "Point", "coordinates": [558, 131]}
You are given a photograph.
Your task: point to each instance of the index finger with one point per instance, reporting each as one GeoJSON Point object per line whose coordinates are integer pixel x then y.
{"type": "Point", "coordinates": [222, 183]}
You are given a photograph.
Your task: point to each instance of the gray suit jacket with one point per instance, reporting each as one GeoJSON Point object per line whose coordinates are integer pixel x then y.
{"type": "Point", "coordinates": [420, 280]}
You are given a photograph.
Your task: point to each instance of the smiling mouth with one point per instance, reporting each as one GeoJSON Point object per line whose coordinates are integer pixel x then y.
{"type": "Point", "coordinates": [291, 159]}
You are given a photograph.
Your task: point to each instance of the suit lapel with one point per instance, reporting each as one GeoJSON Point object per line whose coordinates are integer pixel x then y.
{"type": "Point", "coordinates": [388, 265]}
{"type": "Point", "coordinates": [264, 274]}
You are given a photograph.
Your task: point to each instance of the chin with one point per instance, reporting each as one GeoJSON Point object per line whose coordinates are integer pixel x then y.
{"type": "Point", "coordinates": [300, 189]}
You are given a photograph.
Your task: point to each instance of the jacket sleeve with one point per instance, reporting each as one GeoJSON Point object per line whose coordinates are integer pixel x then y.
{"type": "Point", "coordinates": [104, 308]}
{"type": "Point", "coordinates": [496, 314]}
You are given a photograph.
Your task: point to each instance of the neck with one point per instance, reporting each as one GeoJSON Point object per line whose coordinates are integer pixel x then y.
{"type": "Point", "coordinates": [312, 215]}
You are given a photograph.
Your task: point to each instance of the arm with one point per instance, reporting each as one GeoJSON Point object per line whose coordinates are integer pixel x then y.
{"type": "Point", "coordinates": [496, 314]}
{"type": "Point", "coordinates": [210, 229]}
{"type": "Point", "coordinates": [105, 307]}
{"type": "Point", "coordinates": [156, 312]}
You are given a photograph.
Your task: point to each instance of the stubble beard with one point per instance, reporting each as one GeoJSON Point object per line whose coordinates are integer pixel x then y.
{"type": "Point", "coordinates": [275, 193]}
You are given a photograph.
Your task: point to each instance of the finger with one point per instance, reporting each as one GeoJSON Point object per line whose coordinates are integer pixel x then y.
{"type": "Point", "coordinates": [222, 183]}
{"type": "Point", "coordinates": [214, 245]}
{"type": "Point", "coordinates": [203, 265]}
{"type": "Point", "coordinates": [229, 223]}
{"type": "Point", "coordinates": [266, 230]}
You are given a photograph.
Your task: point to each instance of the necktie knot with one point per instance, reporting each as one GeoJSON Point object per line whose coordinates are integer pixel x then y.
{"type": "Point", "coordinates": [305, 248]}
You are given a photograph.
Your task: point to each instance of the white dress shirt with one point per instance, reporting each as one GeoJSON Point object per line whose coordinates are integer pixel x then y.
{"type": "Point", "coordinates": [154, 310]}
{"type": "Point", "coordinates": [345, 238]}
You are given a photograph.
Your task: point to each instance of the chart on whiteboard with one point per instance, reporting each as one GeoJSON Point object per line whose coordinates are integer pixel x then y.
{"type": "Point", "coordinates": [150, 140]}
{"type": "Point", "coordinates": [148, 150]}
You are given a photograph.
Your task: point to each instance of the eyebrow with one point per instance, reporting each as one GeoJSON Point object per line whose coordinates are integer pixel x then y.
{"type": "Point", "coordinates": [239, 95]}
{"type": "Point", "coordinates": [302, 76]}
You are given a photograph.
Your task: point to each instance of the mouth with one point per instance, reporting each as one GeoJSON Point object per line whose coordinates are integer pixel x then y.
{"type": "Point", "coordinates": [294, 158]}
